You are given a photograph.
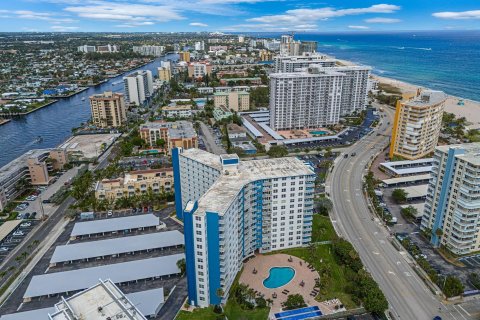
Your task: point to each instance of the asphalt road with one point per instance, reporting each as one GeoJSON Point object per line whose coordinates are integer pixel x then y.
{"type": "Point", "coordinates": [408, 296]}
{"type": "Point", "coordinates": [209, 140]}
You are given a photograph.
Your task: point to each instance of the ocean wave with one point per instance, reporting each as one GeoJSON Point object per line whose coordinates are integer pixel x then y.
{"type": "Point", "coordinates": [425, 49]}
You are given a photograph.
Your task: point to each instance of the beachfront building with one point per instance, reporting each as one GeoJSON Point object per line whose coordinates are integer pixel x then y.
{"type": "Point", "coordinates": [235, 100]}
{"type": "Point", "coordinates": [309, 99]}
{"type": "Point", "coordinates": [452, 208]}
{"type": "Point", "coordinates": [198, 70]}
{"type": "Point", "coordinates": [417, 125]}
{"type": "Point", "coordinates": [169, 134]}
{"type": "Point", "coordinates": [155, 51]}
{"type": "Point", "coordinates": [138, 87]}
{"type": "Point", "coordinates": [297, 63]}
{"type": "Point", "coordinates": [232, 209]}
{"type": "Point", "coordinates": [135, 183]}
{"type": "Point", "coordinates": [164, 74]}
{"type": "Point", "coordinates": [108, 110]}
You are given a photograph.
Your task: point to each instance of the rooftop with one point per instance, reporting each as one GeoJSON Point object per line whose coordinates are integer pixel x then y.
{"type": "Point", "coordinates": [101, 301]}
{"type": "Point", "coordinates": [93, 249]}
{"type": "Point", "coordinates": [471, 152]}
{"type": "Point", "coordinates": [114, 224]}
{"type": "Point", "coordinates": [223, 191]}
{"type": "Point", "coordinates": [74, 280]}
{"type": "Point", "coordinates": [427, 98]}
{"type": "Point", "coordinates": [19, 163]}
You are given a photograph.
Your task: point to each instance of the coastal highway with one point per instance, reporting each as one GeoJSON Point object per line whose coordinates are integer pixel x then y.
{"type": "Point", "coordinates": [408, 296]}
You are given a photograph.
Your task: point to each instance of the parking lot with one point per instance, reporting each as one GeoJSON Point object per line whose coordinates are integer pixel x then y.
{"type": "Point", "coordinates": [43, 266]}
{"type": "Point", "coordinates": [16, 236]}
{"type": "Point", "coordinates": [472, 261]}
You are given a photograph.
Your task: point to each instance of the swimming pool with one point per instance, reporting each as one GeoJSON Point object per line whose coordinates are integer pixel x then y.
{"type": "Point", "coordinates": [278, 277]}
{"type": "Point", "coordinates": [319, 133]}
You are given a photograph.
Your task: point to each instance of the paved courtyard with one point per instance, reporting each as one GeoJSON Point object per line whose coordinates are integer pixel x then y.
{"type": "Point", "coordinates": [262, 265]}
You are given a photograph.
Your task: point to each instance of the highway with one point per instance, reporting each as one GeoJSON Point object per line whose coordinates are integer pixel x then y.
{"type": "Point", "coordinates": [408, 296]}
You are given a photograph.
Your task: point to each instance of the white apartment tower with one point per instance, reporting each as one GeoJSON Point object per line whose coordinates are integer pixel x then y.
{"type": "Point", "coordinates": [452, 208]}
{"type": "Point", "coordinates": [232, 209]}
{"type": "Point", "coordinates": [297, 63]}
{"type": "Point", "coordinates": [309, 99]}
{"type": "Point", "coordinates": [138, 87]}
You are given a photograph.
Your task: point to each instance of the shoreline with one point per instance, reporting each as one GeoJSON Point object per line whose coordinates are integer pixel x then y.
{"type": "Point", "coordinates": [4, 121]}
{"type": "Point", "coordinates": [470, 108]}
{"type": "Point", "coordinates": [26, 113]}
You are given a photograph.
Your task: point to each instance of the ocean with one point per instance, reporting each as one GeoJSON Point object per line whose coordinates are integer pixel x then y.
{"type": "Point", "coordinates": [441, 60]}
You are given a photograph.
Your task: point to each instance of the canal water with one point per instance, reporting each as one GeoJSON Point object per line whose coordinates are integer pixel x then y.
{"type": "Point", "coordinates": [54, 123]}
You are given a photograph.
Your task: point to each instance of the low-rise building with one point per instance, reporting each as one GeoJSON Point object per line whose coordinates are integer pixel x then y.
{"type": "Point", "coordinates": [169, 134]}
{"type": "Point", "coordinates": [235, 100]}
{"type": "Point", "coordinates": [235, 131]}
{"type": "Point", "coordinates": [221, 112]}
{"type": "Point", "coordinates": [178, 111]}
{"type": "Point", "coordinates": [135, 183]}
{"type": "Point", "coordinates": [198, 70]}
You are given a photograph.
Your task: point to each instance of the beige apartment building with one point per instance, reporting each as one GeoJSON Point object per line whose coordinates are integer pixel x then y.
{"type": "Point", "coordinates": [236, 101]}
{"type": "Point", "coordinates": [108, 110]}
{"type": "Point", "coordinates": [174, 134]}
{"type": "Point", "coordinates": [184, 56]}
{"type": "Point", "coordinates": [135, 183]}
{"type": "Point", "coordinates": [417, 125]}
{"type": "Point", "coordinates": [164, 74]}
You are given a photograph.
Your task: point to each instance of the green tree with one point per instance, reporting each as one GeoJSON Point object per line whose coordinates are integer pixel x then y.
{"type": "Point", "coordinates": [323, 205]}
{"type": "Point", "coordinates": [399, 195]}
{"type": "Point", "coordinates": [409, 212]}
{"type": "Point", "coordinates": [294, 301]}
{"type": "Point", "coordinates": [182, 265]}
{"type": "Point", "coordinates": [453, 287]}
{"type": "Point", "coordinates": [277, 151]}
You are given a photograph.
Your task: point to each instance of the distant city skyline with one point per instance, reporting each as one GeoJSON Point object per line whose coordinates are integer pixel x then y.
{"type": "Point", "coordinates": [236, 15]}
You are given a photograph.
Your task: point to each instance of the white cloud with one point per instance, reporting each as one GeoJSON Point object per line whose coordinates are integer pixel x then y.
{"type": "Point", "coordinates": [63, 28]}
{"type": "Point", "coordinates": [295, 17]}
{"type": "Point", "coordinates": [359, 27]}
{"type": "Point", "coordinates": [32, 15]}
{"type": "Point", "coordinates": [382, 20]}
{"type": "Point", "coordinates": [460, 15]}
{"type": "Point", "coordinates": [125, 12]}
{"type": "Point", "coordinates": [198, 24]}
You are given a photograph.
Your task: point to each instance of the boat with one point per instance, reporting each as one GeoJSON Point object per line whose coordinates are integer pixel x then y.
{"type": "Point", "coordinates": [38, 139]}
{"type": "Point", "coordinates": [83, 98]}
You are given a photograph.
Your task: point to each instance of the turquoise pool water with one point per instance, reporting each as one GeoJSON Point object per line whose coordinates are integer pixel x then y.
{"type": "Point", "coordinates": [278, 277]}
{"type": "Point", "coordinates": [319, 133]}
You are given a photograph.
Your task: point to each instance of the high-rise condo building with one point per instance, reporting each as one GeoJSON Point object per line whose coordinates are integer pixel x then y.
{"type": "Point", "coordinates": [235, 100]}
{"type": "Point", "coordinates": [417, 125]}
{"type": "Point", "coordinates": [297, 63]}
{"type": "Point", "coordinates": [309, 99]}
{"type": "Point", "coordinates": [108, 110]}
{"type": "Point", "coordinates": [138, 87]}
{"type": "Point", "coordinates": [155, 51]}
{"type": "Point", "coordinates": [184, 56]}
{"type": "Point", "coordinates": [164, 74]}
{"type": "Point", "coordinates": [232, 209]}
{"type": "Point", "coordinates": [316, 96]}
{"type": "Point", "coordinates": [452, 208]}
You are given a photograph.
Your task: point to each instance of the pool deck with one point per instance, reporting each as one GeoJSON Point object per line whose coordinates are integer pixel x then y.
{"type": "Point", "coordinates": [263, 263]}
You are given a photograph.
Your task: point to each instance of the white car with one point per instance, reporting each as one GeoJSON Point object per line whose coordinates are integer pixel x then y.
{"type": "Point", "coordinates": [110, 213]}
{"type": "Point", "coordinates": [18, 233]}
{"type": "Point", "coordinates": [25, 224]}
{"type": "Point", "coordinates": [4, 249]}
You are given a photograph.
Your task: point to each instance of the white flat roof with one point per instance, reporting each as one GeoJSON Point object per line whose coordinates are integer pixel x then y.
{"type": "Point", "coordinates": [107, 247]}
{"type": "Point", "coordinates": [7, 227]}
{"type": "Point", "coordinates": [270, 131]}
{"type": "Point", "coordinates": [148, 302]}
{"type": "Point", "coordinates": [115, 224]}
{"type": "Point", "coordinates": [416, 191]}
{"type": "Point", "coordinates": [250, 127]}
{"type": "Point", "coordinates": [407, 179]}
{"type": "Point", "coordinates": [74, 280]}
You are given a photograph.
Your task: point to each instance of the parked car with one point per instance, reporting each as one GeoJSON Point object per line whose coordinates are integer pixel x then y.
{"type": "Point", "coordinates": [25, 225]}
{"type": "Point", "coordinates": [110, 213]}
{"type": "Point", "coordinates": [18, 233]}
{"type": "Point", "coordinates": [4, 249]}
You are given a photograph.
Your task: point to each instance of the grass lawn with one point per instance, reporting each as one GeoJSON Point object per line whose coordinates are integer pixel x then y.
{"type": "Point", "coordinates": [205, 314]}
{"type": "Point", "coordinates": [232, 310]}
{"type": "Point", "coordinates": [322, 229]}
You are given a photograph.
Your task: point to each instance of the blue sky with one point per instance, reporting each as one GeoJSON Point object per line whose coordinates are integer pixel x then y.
{"type": "Point", "coordinates": [238, 15]}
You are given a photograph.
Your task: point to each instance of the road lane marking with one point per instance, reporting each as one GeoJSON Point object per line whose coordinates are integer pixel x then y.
{"type": "Point", "coordinates": [391, 272]}
{"type": "Point", "coordinates": [408, 274]}
{"type": "Point", "coordinates": [374, 252]}
{"type": "Point", "coordinates": [466, 312]}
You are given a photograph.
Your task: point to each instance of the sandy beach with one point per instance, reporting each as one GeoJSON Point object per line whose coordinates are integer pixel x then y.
{"type": "Point", "coordinates": [470, 109]}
